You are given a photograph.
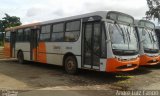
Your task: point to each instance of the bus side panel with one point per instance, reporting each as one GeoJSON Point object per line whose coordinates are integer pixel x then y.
{"type": "Point", "coordinates": [7, 50]}
{"type": "Point", "coordinates": [54, 55]}
{"type": "Point", "coordinates": [42, 57]}
{"type": "Point", "coordinates": [56, 51]}
{"type": "Point", "coordinates": [74, 48]}
{"type": "Point", "coordinates": [25, 48]}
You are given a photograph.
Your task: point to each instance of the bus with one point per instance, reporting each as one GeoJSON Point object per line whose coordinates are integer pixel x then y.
{"type": "Point", "coordinates": [149, 49]}
{"type": "Point", "coordinates": [103, 41]}
{"type": "Point", "coordinates": [157, 30]}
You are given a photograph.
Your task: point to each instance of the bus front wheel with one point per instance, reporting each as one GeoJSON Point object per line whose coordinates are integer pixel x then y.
{"type": "Point", "coordinates": [20, 57]}
{"type": "Point", "coordinates": [70, 65]}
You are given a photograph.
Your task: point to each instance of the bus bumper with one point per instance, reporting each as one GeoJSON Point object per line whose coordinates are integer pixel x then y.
{"type": "Point", "coordinates": [115, 65]}
{"type": "Point", "coordinates": [146, 60]}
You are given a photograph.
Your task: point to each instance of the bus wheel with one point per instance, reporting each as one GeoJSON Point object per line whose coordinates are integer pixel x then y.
{"type": "Point", "coordinates": [20, 57]}
{"type": "Point", "coordinates": [70, 65]}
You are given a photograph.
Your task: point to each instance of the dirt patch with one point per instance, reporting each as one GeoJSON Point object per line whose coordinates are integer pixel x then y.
{"type": "Point", "coordinates": [33, 76]}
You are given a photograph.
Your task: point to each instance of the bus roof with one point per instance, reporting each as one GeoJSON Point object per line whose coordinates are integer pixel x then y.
{"type": "Point", "coordinates": [102, 14]}
{"type": "Point", "coordinates": [147, 21]}
{"type": "Point", "coordinates": [22, 26]}
{"type": "Point", "coordinates": [136, 21]}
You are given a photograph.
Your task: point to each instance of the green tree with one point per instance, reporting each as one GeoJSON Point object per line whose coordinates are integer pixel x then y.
{"type": "Point", "coordinates": [9, 21]}
{"type": "Point", "coordinates": [154, 9]}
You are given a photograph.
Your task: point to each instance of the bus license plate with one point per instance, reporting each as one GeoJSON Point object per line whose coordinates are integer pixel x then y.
{"type": "Point", "coordinates": [129, 65]}
{"type": "Point", "coordinates": [154, 60]}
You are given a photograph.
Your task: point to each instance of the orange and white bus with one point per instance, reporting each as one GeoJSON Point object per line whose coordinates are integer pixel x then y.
{"type": "Point", "coordinates": [149, 49]}
{"type": "Point", "coordinates": [101, 41]}
{"type": "Point", "coordinates": [157, 30]}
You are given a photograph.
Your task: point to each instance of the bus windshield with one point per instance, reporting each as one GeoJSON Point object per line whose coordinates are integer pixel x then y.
{"type": "Point", "coordinates": [124, 39]}
{"type": "Point", "coordinates": [150, 42]}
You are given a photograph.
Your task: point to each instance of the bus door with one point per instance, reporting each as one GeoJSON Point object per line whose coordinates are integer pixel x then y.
{"type": "Point", "coordinates": [33, 44]}
{"type": "Point", "coordinates": [91, 45]}
{"type": "Point", "coordinates": [7, 45]}
{"type": "Point", "coordinates": [12, 42]}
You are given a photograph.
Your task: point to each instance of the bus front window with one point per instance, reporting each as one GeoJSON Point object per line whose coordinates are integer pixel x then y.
{"type": "Point", "coordinates": [150, 41]}
{"type": "Point", "coordinates": [131, 37]}
{"type": "Point", "coordinates": [155, 40]}
{"type": "Point", "coordinates": [124, 39]}
{"type": "Point", "coordinates": [117, 37]}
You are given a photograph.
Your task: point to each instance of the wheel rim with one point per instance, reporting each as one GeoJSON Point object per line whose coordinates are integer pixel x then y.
{"type": "Point", "coordinates": [70, 65]}
{"type": "Point", "coordinates": [20, 57]}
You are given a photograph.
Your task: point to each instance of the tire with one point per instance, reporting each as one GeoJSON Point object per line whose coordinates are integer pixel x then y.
{"type": "Point", "coordinates": [70, 65]}
{"type": "Point", "coordinates": [20, 57]}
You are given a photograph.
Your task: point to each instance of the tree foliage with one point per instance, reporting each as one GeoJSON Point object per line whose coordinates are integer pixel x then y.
{"type": "Point", "coordinates": [154, 9]}
{"type": "Point", "coordinates": [9, 21]}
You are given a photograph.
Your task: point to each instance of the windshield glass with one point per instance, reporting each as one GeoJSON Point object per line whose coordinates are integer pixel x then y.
{"type": "Point", "coordinates": [123, 38]}
{"type": "Point", "coordinates": [150, 40]}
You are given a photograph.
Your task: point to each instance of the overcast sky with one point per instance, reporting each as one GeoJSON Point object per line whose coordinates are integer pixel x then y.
{"type": "Point", "coordinates": [40, 10]}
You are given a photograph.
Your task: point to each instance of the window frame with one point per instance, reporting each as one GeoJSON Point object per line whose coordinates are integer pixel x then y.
{"type": "Point", "coordinates": [63, 32]}
{"type": "Point", "coordinates": [9, 37]}
{"type": "Point", "coordinates": [17, 36]}
{"type": "Point", "coordinates": [79, 31]}
{"type": "Point", "coordinates": [39, 39]}
{"type": "Point", "coordinates": [70, 22]}
{"type": "Point", "coordinates": [24, 34]}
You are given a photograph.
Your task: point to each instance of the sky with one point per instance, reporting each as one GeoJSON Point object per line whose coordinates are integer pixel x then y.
{"type": "Point", "coordinates": [31, 11]}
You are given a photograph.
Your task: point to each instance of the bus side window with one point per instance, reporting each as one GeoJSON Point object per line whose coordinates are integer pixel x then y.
{"type": "Point", "coordinates": [20, 35]}
{"type": "Point", "coordinates": [97, 38]}
{"type": "Point", "coordinates": [27, 34]}
{"type": "Point", "coordinates": [72, 31]}
{"type": "Point", "coordinates": [58, 32]}
{"type": "Point", "coordinates": [45, 33]}
{"type": "Point", "coordinates": [7, 36]}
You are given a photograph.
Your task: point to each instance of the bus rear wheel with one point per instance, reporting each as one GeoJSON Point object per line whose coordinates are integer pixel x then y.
{"type": "Point", "coordinates": [70, 65]}
{"type": "Point", "coordinates": [20, 57]}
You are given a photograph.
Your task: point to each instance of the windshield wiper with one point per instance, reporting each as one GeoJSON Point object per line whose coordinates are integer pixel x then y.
{"type": "Point", "coordinates": [129, 34]}
{"type": "Point", "coordinates": [152, 38]}
{"type": "Point", "coordinates": [124, 36]}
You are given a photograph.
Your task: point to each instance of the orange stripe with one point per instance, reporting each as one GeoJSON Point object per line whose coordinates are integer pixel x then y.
{"type": "Point", "coordinates": [34, 55]}
{"type": "Point", "coordinates": [42, 57]}
{"type": "Point", "coordinates": [7, 50]}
